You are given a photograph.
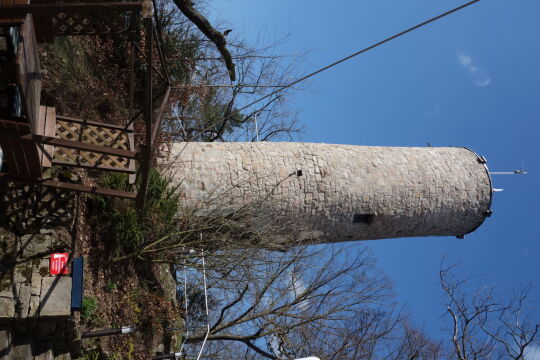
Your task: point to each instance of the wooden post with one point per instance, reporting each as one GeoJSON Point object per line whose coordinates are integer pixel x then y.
{"type": "Point", "coordinates": [147, 9]}
{"type": "Point", "coordinates": [159, 114]}
{"type": "Point", "coordinates": [46, 125]}
{"type": "Point", "coordinates": [146, 162]}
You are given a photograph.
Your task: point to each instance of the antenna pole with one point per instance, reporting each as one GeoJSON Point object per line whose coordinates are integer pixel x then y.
{"type": "Point", "coordinates": [515, 172]}
{"type": "Point", "coordinates": [205, 303]}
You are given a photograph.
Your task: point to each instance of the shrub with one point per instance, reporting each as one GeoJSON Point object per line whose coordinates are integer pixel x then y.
{"type": "Point", "coordinates": [121, 224]}
{"type": "Point", "coordinates": [89, 308]}
{"type": "Point", "coordinates": [111, 286]}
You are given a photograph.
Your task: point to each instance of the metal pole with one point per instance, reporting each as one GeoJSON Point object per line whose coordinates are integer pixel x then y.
{"type": "Point", "coordinates": [255, 121]}
{"type": "Point", "coordinates": [167, 356]}
{"type": "Point", "coordinates": [515, 172]}
{"type": "Point", "coordinates": [186, 306]}
{"type": "Point", "coordinates": [205, 303]}
{"type": "Point", "coordinates": [108, 332]}
{"type": "Point", "coordinates": [256, 127]}
{"type": "Point", "coordinates": [178, 354]}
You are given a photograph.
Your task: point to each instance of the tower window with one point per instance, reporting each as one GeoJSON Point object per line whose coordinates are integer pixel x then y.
{"type": "Point", "coordinates": [363, 218]}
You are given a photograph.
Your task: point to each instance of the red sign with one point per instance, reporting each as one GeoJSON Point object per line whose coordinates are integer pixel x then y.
{"type": "Point", "coordinates": [58, 264]}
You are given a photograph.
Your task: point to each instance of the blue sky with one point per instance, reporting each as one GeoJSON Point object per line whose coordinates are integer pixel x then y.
{"type": "Point", "coordinates": [471, 79]}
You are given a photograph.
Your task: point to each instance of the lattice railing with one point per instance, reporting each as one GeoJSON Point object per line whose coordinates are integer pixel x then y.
{"type": "Point", "coordinates": [89, 23]}
{"type": "Point", "coordinates": [92, 134]}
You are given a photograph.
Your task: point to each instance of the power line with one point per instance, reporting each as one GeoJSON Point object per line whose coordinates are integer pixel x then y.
{"type": "Point", "coordinates": [440, 16]}
{"type": "Point", "coordinates": [227, 86]}
{"type": "Point", "coordinates": [361, 52]}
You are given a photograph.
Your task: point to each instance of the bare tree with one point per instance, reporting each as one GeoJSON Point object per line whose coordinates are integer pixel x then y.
{"type": "Point", "coordinates": [468, 314]}
{"type": "Point", "coordinates": [205, 105]}
{"type": "Point", "coordinates": [414, 344]}
{"type": "Point", "coordinates": [365, 335]}
{"type": "Point", "coordinates": [485, 326]}
{"type": "Point", "coordinates": [285, 305]}
{"type": "Point", "coordinates": [512, 329]}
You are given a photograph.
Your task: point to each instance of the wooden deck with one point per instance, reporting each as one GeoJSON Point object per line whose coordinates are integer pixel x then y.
{"type": "Point", "coordinates": [29, 71]}
{"type": "Point", "coordinates": [36, 137]}
{"type": "Point", "coordinates": [23, 158]}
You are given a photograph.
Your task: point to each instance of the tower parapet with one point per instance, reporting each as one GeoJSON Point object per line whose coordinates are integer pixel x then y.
{"type": "Point", "coordinates": [340, 192]}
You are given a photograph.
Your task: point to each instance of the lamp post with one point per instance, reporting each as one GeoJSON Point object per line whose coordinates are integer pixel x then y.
{"type": "Point", "coordinates": [167, 356]}
{"type": "Point", "coordinates": [255, 122]}
{"type": "Point", "coordinates": [108, 332]}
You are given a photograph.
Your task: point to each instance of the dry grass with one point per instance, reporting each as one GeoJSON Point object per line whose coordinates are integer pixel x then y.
{"type": "Point", "coordinates": [82, 77]}
{"type": "Point", "coordinates": [128, 294]}
{"type": "Point", "coordinates": [86, 77]}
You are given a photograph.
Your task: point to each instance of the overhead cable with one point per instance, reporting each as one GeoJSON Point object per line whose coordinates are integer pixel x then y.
{"type": "Point", "coordinates": [440, 16]}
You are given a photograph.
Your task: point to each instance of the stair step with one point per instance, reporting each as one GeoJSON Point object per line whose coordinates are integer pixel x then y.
{"type": "Point", "coordinates": [5, 343]}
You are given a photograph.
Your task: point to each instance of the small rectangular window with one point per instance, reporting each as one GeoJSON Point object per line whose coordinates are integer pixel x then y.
{"type": "Point", "coordinates": [362, 218]}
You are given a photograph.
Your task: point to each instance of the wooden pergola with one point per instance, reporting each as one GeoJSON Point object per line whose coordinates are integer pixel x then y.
{"type": "Point", "coordinates": [33, 137]}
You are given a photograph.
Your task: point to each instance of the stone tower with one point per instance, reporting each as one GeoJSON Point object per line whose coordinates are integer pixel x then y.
{"type": "Point", "coordinates": [340, 192]}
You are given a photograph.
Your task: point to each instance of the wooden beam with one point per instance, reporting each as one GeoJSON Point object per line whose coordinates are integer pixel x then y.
{"type": "Point", "coordinates": [94, 123]}
{"type": "Point", "coordinates": [128, 170]}
{"type": "Point", "coordinates": [22, 157]}
{"type": "Point", "coordinates": [9, 149]}
{"type": "Point", "coordinates": [131, 163]}
{"type": "Point", "coordinates": [131, 136]}
{"type": "Point", "coordinates": [146, 161]}
{"type": "Point", "coordinates": [46, 125]}
{"type": "Point", "coordinates": [69, 186]}
{"type": "Point", "coordinates": [156, 127]}
{"type": "Point", "coordinates": [29, 70]}
{"type": "Point", "coordinates": [159, 37]}
{"type": "Point", "coordinates": [147, 9]}
{"type": "Point", "coordinates": [7, 21]}
{"type": "Point", "coordinates": [70, 144]}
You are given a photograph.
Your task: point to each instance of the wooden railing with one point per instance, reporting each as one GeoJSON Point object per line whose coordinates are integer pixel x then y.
{"type": "Point", "coordinates": [38, 137]}
{"type": "Point", "coordinates": [29, 71]}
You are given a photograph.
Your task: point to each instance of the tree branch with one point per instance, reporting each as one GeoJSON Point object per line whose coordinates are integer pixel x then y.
{"type": "Point", "coordinates": [206, 28]}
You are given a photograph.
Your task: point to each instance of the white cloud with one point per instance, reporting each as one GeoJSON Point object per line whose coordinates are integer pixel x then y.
{"type": "Point", "coordinates": [464, 59]}
{"type": "Point", "coordinates": [478, 74]}
{"type": "Point", "coordinates": [532, 352]}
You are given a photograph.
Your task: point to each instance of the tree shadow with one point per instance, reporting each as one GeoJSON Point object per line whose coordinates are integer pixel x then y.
{"type": "Point", "coordinates": [25, 212]}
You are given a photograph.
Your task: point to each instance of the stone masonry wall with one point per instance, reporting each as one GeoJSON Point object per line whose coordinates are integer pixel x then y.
{"type": "Point", "coordinates": [35, 307]}
{"type": "Point", "coordinates": [343, 192]}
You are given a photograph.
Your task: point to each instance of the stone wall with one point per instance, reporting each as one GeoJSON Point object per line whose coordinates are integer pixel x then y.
{"type": "Point", "coordinates": [342, 192]}
{"type": "Point", "coordinates": [34, 306]}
